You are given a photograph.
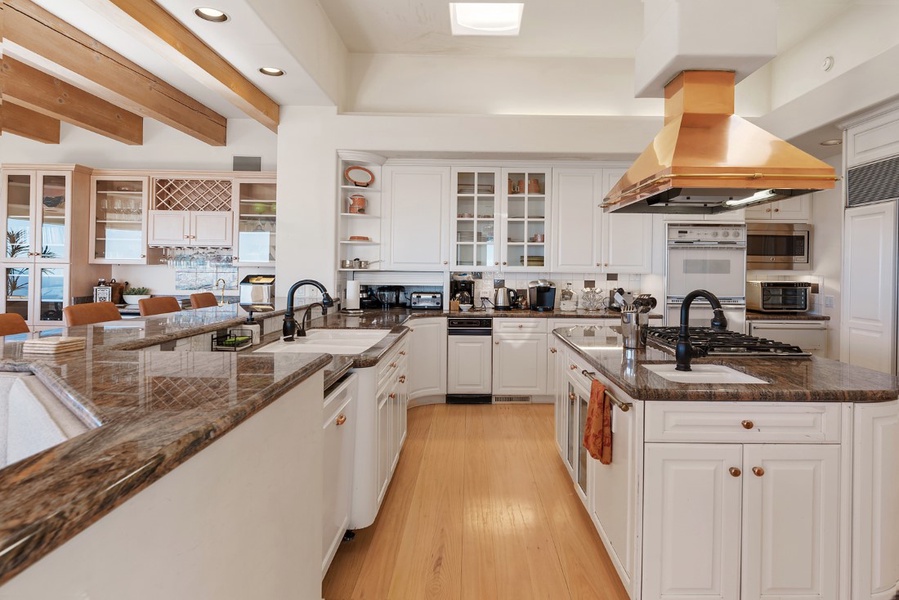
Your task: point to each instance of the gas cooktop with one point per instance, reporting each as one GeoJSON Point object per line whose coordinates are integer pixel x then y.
{"type": "Point", "coordinates": [710, 342]}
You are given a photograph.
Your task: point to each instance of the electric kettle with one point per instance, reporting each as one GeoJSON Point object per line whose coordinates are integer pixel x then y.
{"type": "Point", "coordinates": [504, 298]}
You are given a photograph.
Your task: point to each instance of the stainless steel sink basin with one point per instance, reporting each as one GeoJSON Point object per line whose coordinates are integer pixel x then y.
{"type": "Point", "coordinates": [717, 374]}
{"type": "Point", "coordinates": [330, 341]}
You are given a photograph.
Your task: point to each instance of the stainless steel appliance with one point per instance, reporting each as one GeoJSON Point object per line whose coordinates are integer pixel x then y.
{"type": "Point", "coordinates": [541, 295]}
{"type": "Point", "coordinates": [461, 283]}
{"type": "Point", "coordinates": [710, 342]}
{"type": "Point", "coordinates": [257, 289]}
{"type": "Point", "coordinates": [778, 246]}
{"type": "Point", "coordinates": [778, 296]}
{"type": "Point", "coordinates": [504, 298]}
{"type": "Point", "coordinates": [426, 300]}
{"type": "Point", "coordinates": [392, 295]}
{"type": "Point", "coordinates": [707, 256]}
{"type": "Point", "coordinates": [469, 360]}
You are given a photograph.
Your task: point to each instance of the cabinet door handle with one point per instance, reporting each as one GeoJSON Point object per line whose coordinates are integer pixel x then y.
{"type": "Point", "coordinates": [747, 424]}
{"type": "Point", "coordinates": [393, 365]}
{"type": "Point", "coordinates": [496, 343]}
{"type": "Point", "coordinates": [735, 472]}
{"type": "Point", "coordinates": [402, 379]}
{"type": "Point", "coordinates": [341, 420]}
{"type": "Point", "coordinates": [758, 471]}
{"type": "Point", "coordinates": [496, 262]}
{"type": "Point", "coordinates": [402, 353]}
{"type": "Point", "coordinates": [392, 396]}
{"type": "Point", "coordinates": [505, 263]}
{"type": "Point", "coordinates": [552, 350]}
{"type": "Point", "coordinates": [143, 256]}
{"type": "Point", "coordinates": [520, 326]}
{"type": "Point", "coordinates": [776, 210]}
{"type": "Point", "coordinates": [572, 396]}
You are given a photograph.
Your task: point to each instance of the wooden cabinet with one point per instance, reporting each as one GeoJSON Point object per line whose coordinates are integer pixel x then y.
{"type": "Point", "coordinates": [791, 209]}
{"type": "Point", "coordinates": [585, 238]}
{"type": "Point", "coordinates": [415, 223]}
{"type": "Point", "coordinates": [191, 228]}
{"type": "Point", "coordinates": [427, 357]}
{"type": "Point", "coordinates": [519, 356]}
{"type": "Point", "coordinates": [119, 219]}
{"type": "Point", "coordinates": [875, 496]}
{"type": "Point", "coordinates": [46, 211]}
{"type": "Point", "coordinates": [474, 216]}
{"type": "Point", "coordinates": [338, 450]}
{"type": "Point", "coordinates": [742, 521]}
{"type": "Point", "coordinates": [256, 208]}
{"type": "Point", "coordinates": [359, 210]}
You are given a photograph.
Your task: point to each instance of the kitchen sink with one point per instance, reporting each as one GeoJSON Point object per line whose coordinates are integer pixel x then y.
{"type": "Point", "coordinates": [718, 374]}
{"type": "Point", "coordinates": [330, 341]}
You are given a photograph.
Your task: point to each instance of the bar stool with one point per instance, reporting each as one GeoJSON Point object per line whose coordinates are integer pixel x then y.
{"type": "Point", "coordinates": [89, 313]}
{"type": "Point", "coordinates": [203, 300]}
{"type": "Point", "coordinates": [12, 323]}
{"type": "Point", "coordinates": [158, 306]}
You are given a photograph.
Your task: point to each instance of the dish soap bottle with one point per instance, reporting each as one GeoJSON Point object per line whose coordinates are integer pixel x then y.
{"type": "Point", "coordinates": [567, 298]}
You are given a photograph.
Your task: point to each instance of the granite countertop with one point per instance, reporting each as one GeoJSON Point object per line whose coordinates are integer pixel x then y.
{"type": "Point", "coordinates": [525, 313]}
{"type": "Point", "coordinates": [754, 315]}
{"type": "Point", "coordinates": [789, 379]}
{"type": "Point", "coordinates": [151, 410]}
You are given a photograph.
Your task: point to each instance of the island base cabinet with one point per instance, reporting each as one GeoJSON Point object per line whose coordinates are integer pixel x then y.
{"type": "Point", "coordinates": [339, 441]}
{"type": "Point", "coordinates": [875, 502]}
{"type": "Point", "coordinates": [741, 522]}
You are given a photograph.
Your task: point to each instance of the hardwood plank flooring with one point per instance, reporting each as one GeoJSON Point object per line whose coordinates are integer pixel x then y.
{"type": "Point", "coordinates": [480, 507]}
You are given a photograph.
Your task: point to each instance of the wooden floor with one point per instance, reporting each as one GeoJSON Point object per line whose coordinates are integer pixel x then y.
{"type": "Point", "coordinates": [480, 507]}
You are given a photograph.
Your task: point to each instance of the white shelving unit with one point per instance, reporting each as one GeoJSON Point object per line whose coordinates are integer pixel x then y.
{"type": "Point", "coordinates": [359, 224]}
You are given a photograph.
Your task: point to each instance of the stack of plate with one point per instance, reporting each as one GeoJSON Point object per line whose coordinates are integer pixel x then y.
{"type": "Point", "coordinates": [55, 345]}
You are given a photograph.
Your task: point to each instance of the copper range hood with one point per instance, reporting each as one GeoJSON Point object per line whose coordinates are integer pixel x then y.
{"type": "Point", "coordinates": [707, 160]}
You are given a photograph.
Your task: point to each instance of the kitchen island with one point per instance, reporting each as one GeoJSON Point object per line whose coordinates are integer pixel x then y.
{"type": "Point", "coordinates": [784, 488]}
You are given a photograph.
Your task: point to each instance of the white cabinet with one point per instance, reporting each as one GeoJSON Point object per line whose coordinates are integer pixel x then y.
{"type": "Point", "coordinates": [472, 364]}
{"type": "Point", "coordinates": [191, 228]}
{"type": "Point", "coordinates": [338, 452]}
{"type": "Point", "coordinates": [415, 226]}
{"type": "Point", "coordinates": [869, 272]}
{"type": "Point", "coordinates": [256, 209]}
{"type": "Point", "coordinates": [874, 139]}
{"type": "Point", "coordinates": [119, 219]}
{"type": "Point", "coordinates": [741, 521]}
{"type": "Point", "coordinates": [475, 217]}
{"type": "Point", "coordinates": [427, 357]}
{"type": "Point", "coordinates": [525, 214]}
{"type": "Point", "coordinates": [810, 335]}
{"type": "Point", "coordinates": [359, 208]}
{"type": "Point", "coordinates": [385, 405]}
{"type": "Point", "coordinates": [791, 209]}
{"type": "Point", "coordinates": [875, 498]}
{"type": "Point", "coordinates": [519, 356]}
{"type": "Point", "coordinates": [586, 239]}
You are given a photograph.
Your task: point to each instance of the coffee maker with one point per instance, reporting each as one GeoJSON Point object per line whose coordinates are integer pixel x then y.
{"type": "Point", "coordinates": [541, 295]}
{"type": "Point", "coordinates": [457, 286]}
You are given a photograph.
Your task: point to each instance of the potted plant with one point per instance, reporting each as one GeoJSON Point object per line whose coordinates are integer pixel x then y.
{"type": "Point", "coordinates": [132, 294]}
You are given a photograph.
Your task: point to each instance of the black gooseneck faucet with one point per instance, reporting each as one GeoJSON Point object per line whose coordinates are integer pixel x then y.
{"type": "Point", "coordinates": [683, 352]}
{"type": "Point", "coordinates": [290, 327]}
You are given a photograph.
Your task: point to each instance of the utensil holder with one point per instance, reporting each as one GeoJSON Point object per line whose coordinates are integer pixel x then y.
{"type": "Point", "coordinates": [633, 328]}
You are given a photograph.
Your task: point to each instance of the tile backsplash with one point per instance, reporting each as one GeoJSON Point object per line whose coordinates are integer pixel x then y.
{"type": "Point", "coordinates": [204, 277]}
{"type": "Point", "coordinates": [484, 287]}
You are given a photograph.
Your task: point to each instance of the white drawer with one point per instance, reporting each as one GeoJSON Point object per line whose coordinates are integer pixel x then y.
{"type": "Point", "coordinates": [519, 325]}
{"type": "Point", "coordinates": [391, 363]}
{"type": "Point", "coordinates": [743, 422]}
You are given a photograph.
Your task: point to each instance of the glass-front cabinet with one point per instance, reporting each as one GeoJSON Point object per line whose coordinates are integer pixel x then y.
{"type": "Point", "coordinates": [256, 205]}
{"type": "Point", "coordinates": [475, 223]}
{"type": "Point", "coordinates": [37, 293]}
{"type": "Point", "coordinates": [37, 210]}
{"type": "Point", "coordinates": [525, 212]}
{"type": "Point", "coordinates": [118, 220]}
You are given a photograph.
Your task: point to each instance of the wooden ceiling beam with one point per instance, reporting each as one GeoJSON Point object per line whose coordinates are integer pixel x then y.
{"type": "Point", "coordinates": [29, 124]}
{"type": "Point", "coordinates": [104, 72]}
{"type": "Point", "coordinates": [146, 20]}
{"type": "Point", "coordinates": [42, 93]}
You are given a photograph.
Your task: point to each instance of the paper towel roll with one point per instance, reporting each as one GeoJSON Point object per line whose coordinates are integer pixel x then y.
{"type": "Point", "coordinates": [352, 295]}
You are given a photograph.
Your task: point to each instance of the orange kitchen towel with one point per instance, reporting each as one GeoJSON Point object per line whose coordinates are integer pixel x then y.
{"type": "Point", "coordinates": [598, 429]}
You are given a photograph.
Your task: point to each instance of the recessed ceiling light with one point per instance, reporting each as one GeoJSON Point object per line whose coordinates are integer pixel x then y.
{"type": "Point", "coordinates": [271, 71]}
{"type": "Point", "coordinates": [833, 142]}
{"type": "Point", "coordinates": [488, 18]}
{"type": "Point", "coordinates": [211, 14]}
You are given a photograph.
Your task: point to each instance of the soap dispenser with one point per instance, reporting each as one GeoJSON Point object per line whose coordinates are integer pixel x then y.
{"type": "Point", "coordinates": [567, 299]}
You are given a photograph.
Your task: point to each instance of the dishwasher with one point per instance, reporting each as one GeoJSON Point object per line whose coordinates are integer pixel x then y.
{"type": "Point", "coordinates": [469, 364]}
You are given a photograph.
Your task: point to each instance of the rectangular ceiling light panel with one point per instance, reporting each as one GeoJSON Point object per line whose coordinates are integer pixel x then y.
{"type": "Point", "coordinates": [486, 18]}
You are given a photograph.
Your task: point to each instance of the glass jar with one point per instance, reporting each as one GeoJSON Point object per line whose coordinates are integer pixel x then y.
{"type": "Point", "coordinates": [567, 299]}
{"type": "Point", "coordinates": [591, 299]}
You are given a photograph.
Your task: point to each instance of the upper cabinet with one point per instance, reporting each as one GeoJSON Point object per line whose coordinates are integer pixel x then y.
{"type": "Point", "coordinates": [118, 219]}
{"type": "Point", "coordinates": [255, 202]}
{"type": "Point", "coordinates": [359, 209]}
{"type": "Point", "coordinates": [37, 210]}
{"type": "Point", "coordinates": [525, 215]}
{"type": "Point", "coordinates": [415, 223]}
{"type": "Point", "coordinates": [475, 217]}
{"type": "Point", "coordinates": [872, 138]}
{"type": "Point", "coordinates": [791, 209]}
{"type": "Point", "coordinates": [191, 212]}
{"type": "Point", "coordinates": [585, 238]}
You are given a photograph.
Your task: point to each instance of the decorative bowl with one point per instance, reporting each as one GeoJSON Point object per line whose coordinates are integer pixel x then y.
{"type": "Point", "coordinates": [465, 307]}
{"type": "Point", "coordinates": [129, 299]}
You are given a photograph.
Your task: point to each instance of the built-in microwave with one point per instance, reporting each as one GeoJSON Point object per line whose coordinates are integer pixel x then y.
{"type": "Point", "coordinates": [778, 246]}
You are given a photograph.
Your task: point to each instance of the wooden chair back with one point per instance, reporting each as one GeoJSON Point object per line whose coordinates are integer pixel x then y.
{"type": "Point", "coordinates": [158, 305]}
{"type": "Point", "coordinates": [12, 323]}
{"type": "Point", "coordinates": [90, 313]}
{"type": "Point", "coordinates": [203, 300]}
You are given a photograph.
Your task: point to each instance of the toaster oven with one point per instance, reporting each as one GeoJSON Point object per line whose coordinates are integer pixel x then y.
{"type": "Point", "coordinates": [778, 296]}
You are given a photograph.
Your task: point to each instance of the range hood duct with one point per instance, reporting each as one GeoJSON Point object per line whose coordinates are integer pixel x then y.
{"type": "Point", "coordinates": [707, 160]}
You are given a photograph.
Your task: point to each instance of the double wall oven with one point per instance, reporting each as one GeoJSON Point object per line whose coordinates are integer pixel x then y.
{"type": "Point", "coordinates": [709, 256]}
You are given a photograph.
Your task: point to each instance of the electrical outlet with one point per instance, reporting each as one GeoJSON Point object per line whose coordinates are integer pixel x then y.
{"type": "Point", "coordinates": [484, 294]}
{"type": "Point", "coordinates": [828, 301]}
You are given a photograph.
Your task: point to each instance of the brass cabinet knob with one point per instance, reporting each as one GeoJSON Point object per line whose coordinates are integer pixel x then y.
{"type": "Point", "coordinates": [402, 353]}
{"type": "Point", "coordinates": [598, 264]}
{"type": "Point", "coordinates": [735, 472]}
{"type": "Point", "coordinates": [776, 210]}
{"type": "Point", "coordinates": [553, 350]}
{"type": "Point", "coordinates": [392, 396]}
{"type": "Point", "coordinates": [143, 256]}
{"type": "Point", "coordinates": [572, 396]}
{"type": "Point", "coordinates": [341, 420]}
{"type": "Point", "coordinates": [505, 263]}
{"type": "Point", "coordinates": [572, 367]}
{"type": "Point", "coordinates": [747, 424]}
{"type": "Point", "coordinates": [446, 262]}
{"type": "Point", "coordinates": [393, 365]}
{"type": "Point", "coordinates": [402, 378]}
{"type": "Point", "coordinates": [496, 262]}
{"type": "Point", "coordinates": [520, 326]}
{"type": "Point", "coordinates": [496, 343]}
{"type": "Point", "coordinates": [758, 471]}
